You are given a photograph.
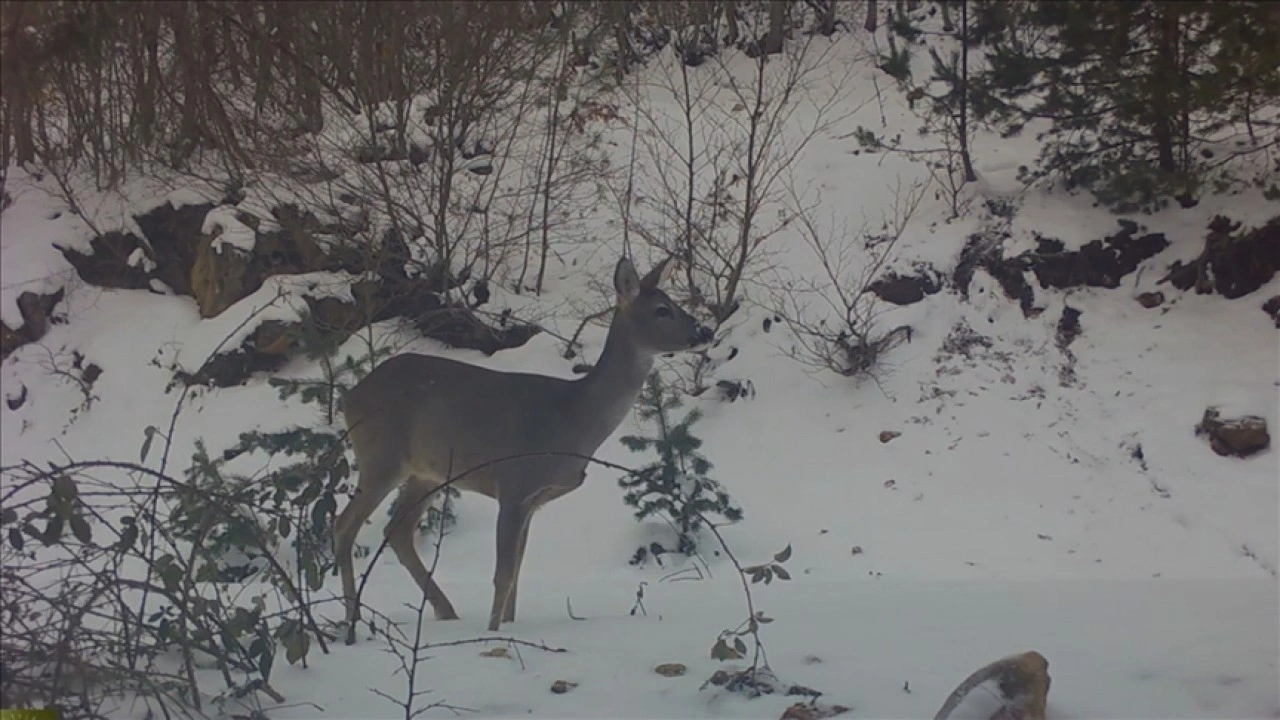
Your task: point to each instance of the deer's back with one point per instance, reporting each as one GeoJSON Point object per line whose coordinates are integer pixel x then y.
{"type": "Point", "coordinates": [438, 418]}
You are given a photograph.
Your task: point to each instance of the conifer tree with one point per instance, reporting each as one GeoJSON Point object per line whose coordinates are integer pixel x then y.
{"type": "Point", "coordinates": [676, 486]}
{"type": "Point", "coordinates": [1144, 100]}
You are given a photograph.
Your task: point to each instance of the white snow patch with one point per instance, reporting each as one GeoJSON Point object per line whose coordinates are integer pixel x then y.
{"type": "Point", "coordinates": [230, 232]}
{"type": "Point", "coordinates": [138, 258]}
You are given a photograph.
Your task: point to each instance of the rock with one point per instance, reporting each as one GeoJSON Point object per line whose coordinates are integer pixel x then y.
{"type": "Point", "coordinates": [233, 368]}
{"type": "Point", "coordinates": [108, 263]}
{"type": "Point", "coordinates": [1098, 263]}
{"type": "Point", "coordinates": [10, 340]}
{"type": "Point", "coordinates": [799, 711]}
{"type": "Point", "coordinates": [334, 316]}
{"type": "Point", "coordinates": [458, 326]}
{"type": "Point", "coordinates": [91, 373]}
{"type": "Point", "coordinates": [671, 669]}
{"type": "Point", "coordinates": [220, 276]}
{"type": "Point", "coordinates": [1068, 326]}
{"type": "Point", "coordinates": [36, 310]}
{"type": "Point", "coordinates": [274, 337]}
{"type": "Point", "coordinates": [1272, 308]}
{"type": "Point", "coordinates": [561, 687]}
{"type": "Point", "coordinates": [1238, 437]}
{"type": "Point", "coordinates": [1232, 264]}
{"type": "Point", "coordinates": [985, 252]}
{"type": "Point", "coordinates": [905, 289]}
{"type": "Point", "coordinates": [378, 152]}
{"type": "Point", "coordinates": [293, 248]}
{"type": "Point", "coordinates": [1151, 299]}
{"type": "Point", "coordinates": [1022, 682]}
{"type": "Point", "coordinates": [13, 402]}
{"type": "Point", "coordinates": [480, 165]}
{"type": "Point", "coordinates": [498, 652]}
{"type": "Point", "coordinates": [812, 711]}
{"type": "Point", "coordinates": [887, 435]}
{"type": "Point", "coordinates": [174, 234]}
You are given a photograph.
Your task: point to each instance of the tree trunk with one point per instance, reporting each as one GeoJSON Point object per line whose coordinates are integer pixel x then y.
{"type": "Point", "coordinates": [263, 42]}
{"type": "Point", "coordinates": [965, 157]}
{"type": "Point", "coordinates": [873, 17]}
{"type": "Point", "coordinates": [777, 18]}
{"type": "Point", "coordinates": [622, 36]}
{"type": "Point", "coordinates": [20, 91]}
{"type": "Point", "coordinates": [1163, 83]}
{"type": "Point", "coordinates": [826, 11]}
{"type": "Point", "coordinates": [149, 79]}
{"type": "Point", "coordinates": [733, 34]}
{"type": "Point", "coordinates": [185, 46]}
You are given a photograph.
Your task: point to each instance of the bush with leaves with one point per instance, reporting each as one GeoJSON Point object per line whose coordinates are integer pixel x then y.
{"type": "Point", "coordinates": [676, 486]}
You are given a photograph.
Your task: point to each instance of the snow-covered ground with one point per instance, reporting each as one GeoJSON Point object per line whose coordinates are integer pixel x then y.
{"type": "Point", "coordinates": [1010, 514]}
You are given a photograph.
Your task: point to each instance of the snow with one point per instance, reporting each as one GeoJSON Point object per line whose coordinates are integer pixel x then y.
{"type": "Point", "coordinates": [1010, 514]}
{"type": "Point", "coordinates": [139, 258]}
{"type": "Point", "coordinates": [30, 265]}
{"type": "Point", "coordinates": [228, 231]}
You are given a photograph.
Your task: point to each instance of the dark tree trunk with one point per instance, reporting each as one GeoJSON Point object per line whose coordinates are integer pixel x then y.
{"type": "Point", "coordinates": [777, 18]}
{"type": "Point", "coordinates": [19, 91]}
{"type": "Point", "coordinates": [1163, 84]}
{"type": "Point", "coordinates": [826, 12]}
{"type": "Point", "coordinates": [965, 157]}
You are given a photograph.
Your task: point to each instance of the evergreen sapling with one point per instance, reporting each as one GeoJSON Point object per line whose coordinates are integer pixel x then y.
{"type": "Point", "coordinates": [676, 485]}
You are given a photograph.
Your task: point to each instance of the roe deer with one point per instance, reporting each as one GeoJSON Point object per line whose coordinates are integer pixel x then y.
{"type": "Point", "coordinates": [417, 420]}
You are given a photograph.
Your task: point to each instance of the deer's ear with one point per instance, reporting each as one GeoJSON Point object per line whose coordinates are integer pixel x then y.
{"type": "Point", "coordinates": [626, 281]}
{"type": "Point", "coordinates": [657, 275]}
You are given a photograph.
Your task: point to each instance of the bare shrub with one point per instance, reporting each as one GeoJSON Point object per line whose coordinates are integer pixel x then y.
{"type": "Point", "coordinates": [942, 100]}
{"type": "Point", "coordinates": [740, 125]}
{"type": "Point", "coordinates": [842, 333]}
{"type": "Point", "coordinates": [109, 598]}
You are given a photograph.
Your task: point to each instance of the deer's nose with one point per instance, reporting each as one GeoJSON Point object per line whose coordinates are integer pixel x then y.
{"type": "Point", "coordinates": [702, 335]}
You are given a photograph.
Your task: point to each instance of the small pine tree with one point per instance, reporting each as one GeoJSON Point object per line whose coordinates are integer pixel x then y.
{"type": "Point", "coordinates": [676, 485]}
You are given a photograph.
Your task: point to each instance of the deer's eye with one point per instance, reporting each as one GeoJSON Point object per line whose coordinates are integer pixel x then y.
{"type": "Point", "coordinates": [662, 311]}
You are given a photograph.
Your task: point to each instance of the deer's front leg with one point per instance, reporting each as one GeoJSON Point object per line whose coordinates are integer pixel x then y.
{"type": "Point", "coordinates": [511, 521]}
{"type": "Point", "coordinates": [509, 612]}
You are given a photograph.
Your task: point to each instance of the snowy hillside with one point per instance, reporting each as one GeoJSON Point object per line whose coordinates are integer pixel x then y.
{"type": "Point", "coordinates": [1003, 481]}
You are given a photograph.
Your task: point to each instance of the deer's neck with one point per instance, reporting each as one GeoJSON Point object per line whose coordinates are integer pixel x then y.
{"type": "Point", "coordinates": [607, 393]}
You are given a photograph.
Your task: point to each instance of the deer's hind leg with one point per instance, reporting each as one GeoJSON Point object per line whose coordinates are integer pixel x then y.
{"type": "Point", "coordinates": [414, 500]}
{"type": "Point", "coordinates": [374, 485]}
